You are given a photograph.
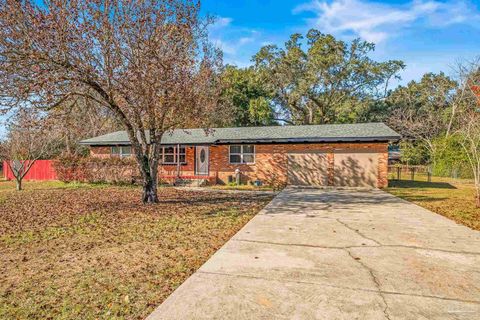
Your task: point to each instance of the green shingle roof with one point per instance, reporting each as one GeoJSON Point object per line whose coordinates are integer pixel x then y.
{"type": "Point", "coordinates": [280, 134]}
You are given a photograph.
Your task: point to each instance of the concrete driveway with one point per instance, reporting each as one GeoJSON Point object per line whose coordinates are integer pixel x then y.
{"type": "Point", "coordinates": [337, 254]}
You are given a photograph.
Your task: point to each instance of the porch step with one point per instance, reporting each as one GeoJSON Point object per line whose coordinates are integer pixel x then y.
{"type": "Point", "coordinates": [191, 182]}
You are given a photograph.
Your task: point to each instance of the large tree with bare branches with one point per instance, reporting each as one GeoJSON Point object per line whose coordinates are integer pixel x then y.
{"type": "Point", "coordinates": [148, 62]}
{"type": "Point", "coordinates": [424, 110]}
{"type": "Point", "coordinates": [469, 139]}
{"type": "Point", "coordinates": [469, 118]}
{"type": "Point", "coordinates": [78, 119]}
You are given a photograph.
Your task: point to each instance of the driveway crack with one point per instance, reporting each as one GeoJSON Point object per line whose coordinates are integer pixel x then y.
{"type": "Point", "coordinates": [238, 275]}
{"type": "Point", "coordinates": [375, 280]}
{"type": "Point", "coordinates": [357, 231]}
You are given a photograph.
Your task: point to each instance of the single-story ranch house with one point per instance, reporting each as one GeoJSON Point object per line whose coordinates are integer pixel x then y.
{"type": "Point", "coordinates": [353, 155]}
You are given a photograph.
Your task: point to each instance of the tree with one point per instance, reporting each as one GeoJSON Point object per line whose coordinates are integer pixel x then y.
{"type": "Point", "coordinates": [78, 119]}
{"type": "Point", "coordinates": [325, 83]}
{"type": "Point", "coordinates": [424, 110]}
{"type": "Point", "coordinates": [450, 158]}
{"type": "Point", "coordinates": [413, 153]}
{"type": "Point", "coordinates": [469, 128]}
{"type": "Point", "coordinates": [469, 138]}
{"type": "Point", "coordinates": [248, 98]}
{"type": "Point", "coordinates": [148, 62]}
{"type": "Point", "coordinates": [28, 140]}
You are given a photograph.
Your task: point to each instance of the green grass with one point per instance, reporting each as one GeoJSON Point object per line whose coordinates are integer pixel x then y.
{"type": "Point", "coordinates": [47, 185]}
{"type": "Point", "coordinates": [452, 198]}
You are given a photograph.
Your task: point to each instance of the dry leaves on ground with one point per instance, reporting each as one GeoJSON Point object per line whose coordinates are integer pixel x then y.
{"type": "Point", "coordinates": [94, 253]}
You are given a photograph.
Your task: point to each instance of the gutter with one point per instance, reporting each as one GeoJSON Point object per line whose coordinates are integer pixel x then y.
{"type": "Point", "coordinates": [104, 143]}
{"type": "Point", "coordinates": [258, 141]}
{"type": "Point", "coordinates": [310, 140]}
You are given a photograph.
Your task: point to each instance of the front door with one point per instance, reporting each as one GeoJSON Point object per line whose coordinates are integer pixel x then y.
{"type": "Point", "coordinates": [201, 161]}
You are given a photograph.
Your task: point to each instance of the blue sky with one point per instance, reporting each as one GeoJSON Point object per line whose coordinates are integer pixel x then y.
{"type": "Point", "coordinates": [430, 36]}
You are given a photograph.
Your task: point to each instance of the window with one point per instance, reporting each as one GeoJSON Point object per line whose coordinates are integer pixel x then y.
{"type": "Point", "coordinates": [242, 154]}
{"type": "Point", "coordinates": [170, 155]}
{"type": "Point", "coordinates": [122, 151]}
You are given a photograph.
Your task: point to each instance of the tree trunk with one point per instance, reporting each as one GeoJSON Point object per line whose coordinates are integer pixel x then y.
{"type": "Point", "coordinates": [149, 172]}
{"type": "Point", "coordinates": [150, 189]}
{"type": "Point", "coordinates": [19, 184]}
{"type": "Point", "coordinates": [148, 165]}
{"type": "Point", "coordinates": [477, 200]}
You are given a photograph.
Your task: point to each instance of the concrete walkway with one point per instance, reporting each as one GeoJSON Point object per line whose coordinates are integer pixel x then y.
{"type": "Point", "coordinates": [337, 254]}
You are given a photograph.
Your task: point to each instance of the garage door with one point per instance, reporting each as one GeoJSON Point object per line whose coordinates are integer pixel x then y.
{"type": "Point", "coordinates": [356, 169]}
{"type": "Point", "coordinates": [308, 169]}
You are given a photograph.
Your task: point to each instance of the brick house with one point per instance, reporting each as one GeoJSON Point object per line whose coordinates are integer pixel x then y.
{"type": "Point", "coordinates": [353, 155]}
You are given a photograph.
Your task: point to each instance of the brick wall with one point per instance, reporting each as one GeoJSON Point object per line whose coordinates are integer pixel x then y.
{"type": "Point", "coordinates": [100, 151]}
{"type": "Point", "coordinates": [186, 169]}
{"type": "Point", "coordinates": [271, 161]}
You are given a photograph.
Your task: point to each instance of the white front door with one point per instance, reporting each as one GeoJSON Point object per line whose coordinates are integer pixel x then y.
{"type": "Point", "coordinates": [201, 161]}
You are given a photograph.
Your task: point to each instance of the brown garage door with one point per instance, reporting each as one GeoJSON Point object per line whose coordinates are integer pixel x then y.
{"type": "Point", "coordinates": [308, 169]}
{"type": "Point", "coordinates": [356, 169]}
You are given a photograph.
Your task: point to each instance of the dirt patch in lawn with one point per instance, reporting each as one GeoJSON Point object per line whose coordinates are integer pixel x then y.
{"type": "Point", "coordinates": [453, 199]}
{"type": "Point", "coordinates": [89, 253]}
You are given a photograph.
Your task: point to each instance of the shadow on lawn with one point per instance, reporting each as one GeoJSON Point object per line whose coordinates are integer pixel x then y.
{"type": "Point", "coordinates": [419, 184]}
{"type": "Point", "coordinates": [418, 198]}
{"type": "Point", "coordinates": [172, 201]}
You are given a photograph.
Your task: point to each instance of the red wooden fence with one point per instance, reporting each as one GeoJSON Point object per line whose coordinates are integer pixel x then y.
{"type": "Point", "coordinates": [40, 170]}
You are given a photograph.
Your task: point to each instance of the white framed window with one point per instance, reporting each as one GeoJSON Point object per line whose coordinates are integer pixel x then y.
{"type": "Point", "coordinates": [242, 154]}
{"type": "Point", "coordinates": [122, 151]}
{"type": "Point", "coordinates": [173, 155]}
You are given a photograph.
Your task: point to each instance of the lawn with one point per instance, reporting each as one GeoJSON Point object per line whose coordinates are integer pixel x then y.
{"type": "Point", "coordinates": [76, 251]}
{"type": "Point", "coordinates": [452, 198]}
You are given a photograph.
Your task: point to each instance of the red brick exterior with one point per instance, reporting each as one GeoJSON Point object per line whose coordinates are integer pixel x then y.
{"type": "Point", "coordinates": [271, 163]}
{"type": "Point", "coordinates": [100, 152]}
{"type": "Point", "coordinates": [186, 169]}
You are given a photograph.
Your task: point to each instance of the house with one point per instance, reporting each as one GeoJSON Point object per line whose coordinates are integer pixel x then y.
{"type": "Point", "coordinates": [353, 155]}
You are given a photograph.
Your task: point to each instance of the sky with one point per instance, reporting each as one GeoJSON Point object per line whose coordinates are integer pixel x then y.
{"type": "Point", "coordinates": [429, 36]}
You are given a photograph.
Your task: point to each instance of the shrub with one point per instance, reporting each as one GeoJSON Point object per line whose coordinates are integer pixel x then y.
{"type": "Point", "coordinates": [450, 159]}
{"type": "Point", "coordinates": [414, 153]}
{"type": "Point", "coordinates": [97, 170]}
{"type": "Point", "coordinates": [69, 169]}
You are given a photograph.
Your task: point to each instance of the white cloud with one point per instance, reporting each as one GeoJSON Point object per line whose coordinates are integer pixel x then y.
{"type": "Point", "coordinates": [245, 40]}
{"type": "Point", "coordinates": [235, 41]}
{"type": "Point", "coordinates": [226, 47]}
{"type": "Point", "coordinates": [221, 22]}
{"type": "Point", "coordinates": [376, 22]}
{"type": "Point", "coordinates": [234, 44]}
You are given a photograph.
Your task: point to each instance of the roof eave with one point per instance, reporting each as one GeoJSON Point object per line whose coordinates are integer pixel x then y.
{"type": "Point", "coordinates": [311, 140]}
{"type": "Point", "coordinates": [266, 140]}
{"type": "Point", "coordinates": [105, 143]}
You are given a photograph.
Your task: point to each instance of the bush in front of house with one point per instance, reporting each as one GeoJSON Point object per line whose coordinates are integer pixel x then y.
{"type": "Point", "coordinates": [97, 170]}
